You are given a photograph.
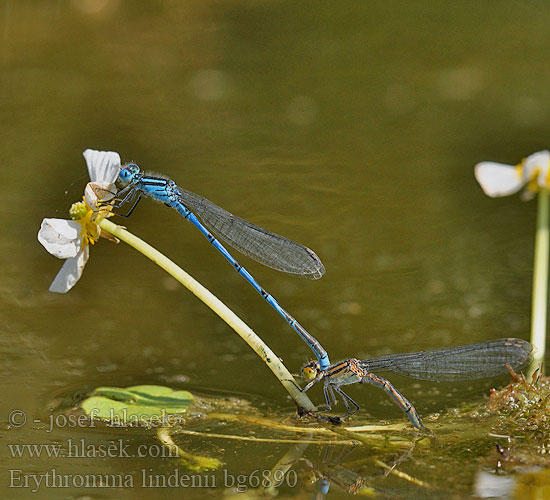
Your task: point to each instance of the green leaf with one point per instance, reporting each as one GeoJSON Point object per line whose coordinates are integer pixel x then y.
{"type": "Point", "coordinates": [144, 405]}
{"type": "Point", "coordinates": [147, 405]}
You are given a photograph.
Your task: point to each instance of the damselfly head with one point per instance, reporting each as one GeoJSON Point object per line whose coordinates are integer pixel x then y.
{"type": "Point", "coordinates": [128, 173]}
{"type": "Point", "coordinates": [310, 370]}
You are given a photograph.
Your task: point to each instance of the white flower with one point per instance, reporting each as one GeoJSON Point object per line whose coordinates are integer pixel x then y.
{"type": "Point", "coordinates": [70, 239]}
{"type": "Point", "coordinates": [499, 179]}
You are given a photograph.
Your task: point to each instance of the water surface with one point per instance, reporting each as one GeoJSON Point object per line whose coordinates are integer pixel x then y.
{"type": "Point", "coordinates": [351, 127]}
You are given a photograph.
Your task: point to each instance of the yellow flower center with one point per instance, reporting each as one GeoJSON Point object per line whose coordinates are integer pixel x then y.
{"type": "Point", "coordinates": [82, 213]}
{"type": "Point", "coordinates": [519, 169]}
{"type": "Point", "coordinates": [533, 185]}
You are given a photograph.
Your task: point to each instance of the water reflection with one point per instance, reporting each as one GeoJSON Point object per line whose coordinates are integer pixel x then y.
{"type": "Point", "coordinates": [353, 127]}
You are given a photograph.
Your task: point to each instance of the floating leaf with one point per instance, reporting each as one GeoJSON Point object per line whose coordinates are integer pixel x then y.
{"type": "Point", "coordinates": [144, 405]}
{"type": "Point", "coordinates": [147, 405]}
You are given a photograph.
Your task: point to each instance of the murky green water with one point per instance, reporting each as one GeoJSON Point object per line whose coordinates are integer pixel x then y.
{"type": "Point", "coordinates": [352, 127]}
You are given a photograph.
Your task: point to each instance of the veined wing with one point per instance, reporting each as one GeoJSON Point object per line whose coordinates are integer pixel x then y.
{"type": "Point", "coordinates": [270, 249]}
{"type": "Point", "coordinates": [469, 362]}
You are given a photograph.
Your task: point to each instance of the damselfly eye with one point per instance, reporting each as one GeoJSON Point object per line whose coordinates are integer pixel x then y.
{"type": "Point", "coordinates": [127, 174]}
{"type": "Point", "coordinates": [124, 176]}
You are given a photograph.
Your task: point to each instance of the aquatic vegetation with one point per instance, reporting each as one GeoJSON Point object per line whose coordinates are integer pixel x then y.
{"type": "Point", "coordinates": [533, 174]}
{"type": "Point", "coordinates": [524, 423]}
{"type": "Point", "coordinates": [71, 239]}
{"type": "Point", "coordinates": [500, 179]}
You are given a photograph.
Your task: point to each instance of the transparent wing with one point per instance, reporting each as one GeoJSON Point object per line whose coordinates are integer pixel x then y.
{"type": "Point", "coordinates": [469, 362]}
{"type": "Point", "coordinates": [268, 248]}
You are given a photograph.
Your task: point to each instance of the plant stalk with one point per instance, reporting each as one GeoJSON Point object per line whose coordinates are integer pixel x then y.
{"type": "Point", "coordinates": [203, 294]}
{"type": "Point", "coordinates": [540, 280]}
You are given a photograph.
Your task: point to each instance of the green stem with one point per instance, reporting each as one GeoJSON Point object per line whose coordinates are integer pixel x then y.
{"type": "Point", "coordinates": [193, 462]}
{"type": "Point", "coordinates": [242, 329]}
{"type": "Point", "coordinates": [540, 279]}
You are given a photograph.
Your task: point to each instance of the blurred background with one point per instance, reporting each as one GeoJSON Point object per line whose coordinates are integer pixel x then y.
{"type": "Point", "coordinates": [351, 127]}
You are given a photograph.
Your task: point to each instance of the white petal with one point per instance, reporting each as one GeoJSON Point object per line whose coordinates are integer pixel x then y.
{"type": "Point", "coordinates": [538, 164]}
{"type": "Point", "coordinates": [98, 191]}
{"type": "Point", "coordinates": [103, 166]}
{"type": "Point", "coordinates": [494, 486]}
{"type": "Point", "coordinates": [70, 272]}
{"type": "Point", "coordinates": [498, 179]}
{"type": "Point", "coordinates": [60, 237]}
